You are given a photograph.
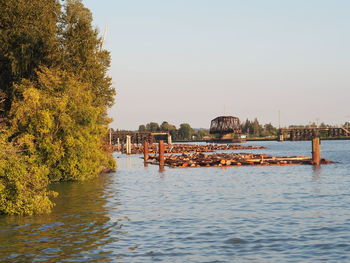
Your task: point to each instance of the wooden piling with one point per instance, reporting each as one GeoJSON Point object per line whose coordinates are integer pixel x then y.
{"type": "Point", "coordinates": [169, 139]}
{"type": "Point", "coordinates": [161, 154]}
{"type": "Point", "coordinates": [110, 137]}
{"type": "Point", "coordinates": [128, 144]}
{"type": "Point", "coordinates": [280, 137]}
{"type": "Point", "coordinates": [118, 144]}
{"type": "Point", "coordinates": [316, 151]}
{"type": "Point", "coordinates": [145, 152]}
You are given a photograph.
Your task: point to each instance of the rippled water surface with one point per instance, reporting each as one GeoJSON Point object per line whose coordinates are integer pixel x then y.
{"type": "Point", "coordinates": [237, 214]}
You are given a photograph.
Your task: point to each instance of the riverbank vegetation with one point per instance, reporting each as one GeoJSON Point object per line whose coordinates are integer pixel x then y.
{"type": "Point", "coordinates": [251, 128]}
{"type": "Point", "coordinates": [184, 133]}
{"type": "Point", "coordinates": [256, 129]}
{"type": "Point", "coordinates": [54, 96]}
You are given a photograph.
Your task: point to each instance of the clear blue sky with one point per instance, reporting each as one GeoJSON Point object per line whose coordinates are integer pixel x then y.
{"type": "Point", "coordinates": [193, 60]}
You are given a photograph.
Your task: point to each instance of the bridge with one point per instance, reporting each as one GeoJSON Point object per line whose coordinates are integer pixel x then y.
{"type": "Point", "coordinates": [120, 137]}
{"type": "Point", "coordinates": [306, 133]}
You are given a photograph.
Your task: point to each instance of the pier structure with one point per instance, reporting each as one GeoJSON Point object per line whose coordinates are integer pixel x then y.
{"type": "Point", "coordinates": [199, 159]}
{"type": "Point", "coordinates": [307, 133]}
{"type": "Point", "coordinates": [120, 137]}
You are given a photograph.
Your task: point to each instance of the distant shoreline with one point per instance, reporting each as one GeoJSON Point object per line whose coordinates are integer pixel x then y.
{"type": "Point", "coordinates": [257, 140]}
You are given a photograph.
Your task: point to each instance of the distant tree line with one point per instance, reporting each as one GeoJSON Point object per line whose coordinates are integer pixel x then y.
{"type": "Point", "coordinates": [255, 129]}
{"type": "Point", "coordinates": [252, 128]}
{"type": "Point", "coordinates": [184, 133]}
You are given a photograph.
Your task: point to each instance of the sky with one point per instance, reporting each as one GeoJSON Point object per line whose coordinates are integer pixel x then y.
{"type": "Point", "coordinates": [189, 61]}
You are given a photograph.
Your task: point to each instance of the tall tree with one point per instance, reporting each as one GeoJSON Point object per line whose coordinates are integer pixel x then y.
{"type": "Point", "coordinates": [142, 128]}
{"type": "Point", "coordinates": [167, 127]}
{"type": "Point", "coordinates": [55, 92]}
{"type": "Point", "coordinates": [28, 39]}
{"type": "Point", "coordinates": [185, 131]}
{"type": "Point", "coordinates": [83, 54]}
{"type": "Point", "coordinates": [152, 127]}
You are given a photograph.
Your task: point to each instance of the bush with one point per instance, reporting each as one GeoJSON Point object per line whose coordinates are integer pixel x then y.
{"type": "Point", "coordinates": [57, 125]}
{"type": "Point", "coordinates": [23, 185]}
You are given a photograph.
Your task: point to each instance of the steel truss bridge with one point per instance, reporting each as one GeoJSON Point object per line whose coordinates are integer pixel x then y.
{"type": "Point", "coordinates": [306, 133]}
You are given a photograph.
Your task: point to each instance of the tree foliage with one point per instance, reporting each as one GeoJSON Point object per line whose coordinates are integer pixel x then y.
{"type": "Point", "coordinates": [28, 39]}
{"type": "Point", "coordinates": [54, 93]}
{"type": "Point", "coordinates": [165, 126]}
{"type": "Point", "coordinates": [184, 133]}
{"type": "Point", "coordinates": [57, 123]}
{"type": "Point", "coordinates": [83, 54]}
{"type": "Point", "coordinates": [23, 183]}
{"type": "Point", "coordinates": [152, 127]}
{"type": "Point", "coordinates": [255, 129]}
{"type": "Point", "coordinates": [142, 128]}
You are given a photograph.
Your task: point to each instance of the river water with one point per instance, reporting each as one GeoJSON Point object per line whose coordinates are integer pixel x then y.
{"type": "Point", "coordinates": [237, 214]}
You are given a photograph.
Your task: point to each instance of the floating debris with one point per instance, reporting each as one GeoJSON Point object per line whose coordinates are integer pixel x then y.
{"type": "Point", "coordinates": [229, 159]}
{"type": "Point", "coordinates": [193, 148]}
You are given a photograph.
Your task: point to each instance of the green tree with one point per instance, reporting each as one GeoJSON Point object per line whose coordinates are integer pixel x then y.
{"type": "Point", "coordinates": [28, 39]}
{"type": "Point", "coordinates": [167, 127]}
{"type": "Point", "coordinates": [256, 127]}
{"type": "Point", "coordinates": [142, 128]}
{"type": "Point", "coordinates": [247, 127]}
{"type": "Point", "coordinates": [23, 184]}
{"type": "Point", "coordinates": [83, 54]}
{"type": "Point", "coordinates": [152, 127]}
{"type": "Point", "coordinates": [269, 130]}
{"type": "Point", "coordinates": [56, 122]}
{"type": "Point", "coordinates": [201, 133]}
{"type": "Point", "coordinates": [54, 93]}
{"type": "Point", "coordinates": [185, 131]}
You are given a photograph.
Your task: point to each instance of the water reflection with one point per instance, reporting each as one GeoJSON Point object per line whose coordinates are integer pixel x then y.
{"type": "Point", "coordinates": [317, 171]}
{"type": "Point", "coordinates": [78, 225]}
{"type": "Point", "coordinates": [129, 162]}
{"type": "Point", "coordinates": [161, 169]}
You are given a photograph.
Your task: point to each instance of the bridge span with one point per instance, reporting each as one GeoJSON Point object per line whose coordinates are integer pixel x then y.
{"type": "Point", "coordinates": [120, 137]}
{"type": "Point", "coordinates": [307, 133]}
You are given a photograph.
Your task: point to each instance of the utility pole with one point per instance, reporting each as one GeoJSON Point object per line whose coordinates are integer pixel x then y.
{"type": "Point", "coordinates": [279, 119]}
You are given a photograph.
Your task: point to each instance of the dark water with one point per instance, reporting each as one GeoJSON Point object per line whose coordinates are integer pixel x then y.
{"type": "Point", "coordinates": [237, 214]}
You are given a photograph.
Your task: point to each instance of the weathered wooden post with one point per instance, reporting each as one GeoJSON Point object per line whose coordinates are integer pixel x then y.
{"type": "Point", "coordinates": [161, 155]}
{"type": "Point", "coordinates": [118, 144]}
{"type": "Point", "coordinates": [110, 137]}
{"type": "Point", "coordinates": [145, 152]}
{"type": "Point", "coordinates": [280, 136]}
{"type": "Point", "coordinates": [316, 149]}
{"type": "Point", "coordinates": [169, 139]}
{"type": "Point", "coordinates": [128, 144]}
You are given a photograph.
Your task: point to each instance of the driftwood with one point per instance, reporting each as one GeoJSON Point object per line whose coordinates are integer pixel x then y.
{"type": "Point", "coordinates": [229, 159]}
{"type": "Point", "coordinates": [192, 148]}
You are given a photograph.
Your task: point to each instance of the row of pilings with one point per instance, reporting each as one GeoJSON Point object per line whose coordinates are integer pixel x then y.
{"type": "Point", "coordinates": [231, 159]}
